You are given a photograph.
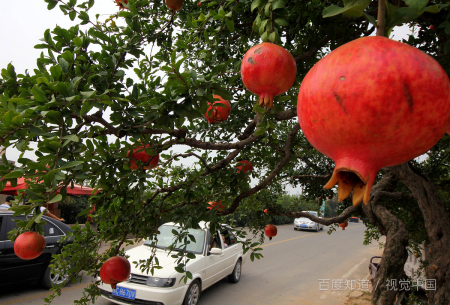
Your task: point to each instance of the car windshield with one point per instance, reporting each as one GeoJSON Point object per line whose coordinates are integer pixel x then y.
{"type": "Point", "coordinates": [166, 238]}
{"type": "Point", "coordinates": [313, 213]}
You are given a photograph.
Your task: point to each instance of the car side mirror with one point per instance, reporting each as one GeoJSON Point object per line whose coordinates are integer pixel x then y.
{"type": "Point", "coordinates": [216, 251]}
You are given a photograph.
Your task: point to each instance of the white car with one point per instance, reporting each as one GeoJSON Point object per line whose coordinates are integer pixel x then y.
{"type": "Point", "coordinates": [213, 261]}
{"type": "Point", "coordinates": [306, 223]}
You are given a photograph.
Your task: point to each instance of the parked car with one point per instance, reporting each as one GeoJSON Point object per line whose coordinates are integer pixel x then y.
{"type": "Point", "coordinates": [14, 269]}
{"type": "Point", "coordinates": [307, 224]}
{"type": "Point", "coordinates": [213, 261]}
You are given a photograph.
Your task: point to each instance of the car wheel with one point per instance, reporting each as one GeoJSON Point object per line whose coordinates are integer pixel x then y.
{"type": "Point", "coordinates": [321, 228]}
{"type": "Point", "coordinates": [193, 293]}
{"type": "Point", "coordinates": [50, 278]}
{"type": "Point", "coordinates": [236, 275]}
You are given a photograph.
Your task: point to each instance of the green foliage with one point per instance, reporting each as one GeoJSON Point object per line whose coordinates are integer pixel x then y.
{"type": "Point", "coordinates": [145, 77]}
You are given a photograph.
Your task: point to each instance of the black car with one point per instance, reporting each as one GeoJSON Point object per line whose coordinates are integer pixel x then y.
{"type": "Point", "coordinates": [14, 269]}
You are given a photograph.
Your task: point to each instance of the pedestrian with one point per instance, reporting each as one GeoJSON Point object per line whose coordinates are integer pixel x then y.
{"type": "Point", "coordinates": [47, 213]}
{"type": "Point", "coordinates": [7, 203]}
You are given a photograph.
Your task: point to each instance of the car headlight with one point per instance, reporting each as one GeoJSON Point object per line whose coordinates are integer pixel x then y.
{"type": "Point", "coordinates": [160, 282]}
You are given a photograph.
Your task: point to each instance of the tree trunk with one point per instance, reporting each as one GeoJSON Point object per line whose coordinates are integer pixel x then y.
{"type": "Point", "coordinates": [394, 254]}
{"type": "Point", "coordinates": [437, 223]}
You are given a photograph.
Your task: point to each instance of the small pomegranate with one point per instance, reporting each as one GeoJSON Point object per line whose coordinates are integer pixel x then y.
{"type": "Point", "coordinates": [199, 3]}
{"type": "Point", "coordinates": [372, 103]}
{"type": "Point", "coordinates": [120, 4]}
{"type": "Point", "coordinates": [344, 224]}
{"type": "Point", "coordinates": [217, 114]}
{"type": "Point", "coordinates": [29, 245]}
{"type": "Point", "coordinates": [268, 70]}
{"type": "Point", "coordinates": [115, 270]}
{"type": "Point", "coordinates": [219, 205]}
{"type": "Point", "coordinates": [246, 166]}
{"type": "Point", "coordinates": [432, 28]}
{"type": "Point", "coordinates": [140, 154]}
{"type": "Point", "coordinates": [266, 211]}
{"type": "Point", "coordinates": [270, 231]}
{"type": "Point", "coordinates": [174, 5]}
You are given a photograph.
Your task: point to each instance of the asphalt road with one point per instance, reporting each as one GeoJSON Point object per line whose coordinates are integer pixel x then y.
{"type": "Point", "coordinates": [299, 267]}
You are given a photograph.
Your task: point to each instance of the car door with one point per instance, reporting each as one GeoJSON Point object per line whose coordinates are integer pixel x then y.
{"type": "Point", "coordinates": [214, 262]}
{"type": "Point", "coordinates": [230, 252]}
{"type": "Point", "coordinates": [52, 234]}
{"type": "Point", "coordinates": [15, 269]}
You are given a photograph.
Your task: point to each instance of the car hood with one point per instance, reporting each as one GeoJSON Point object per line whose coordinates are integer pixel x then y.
{"type": "Point", "coordinates": [164, 257]}
{"type": "Point", "coordinates": [303, 219]}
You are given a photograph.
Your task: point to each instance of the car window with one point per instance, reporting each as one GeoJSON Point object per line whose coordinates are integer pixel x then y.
{"type": "Point", "coordinates": [230, 239]}
{"type": "Point", "coordinates": [215, 241]}
{"type": "Point", "coordinates": [51, 230]}
{"type": "Point", "coordinates": [313, 213]}
{"type": "Point", "coordinates": [166, 238]}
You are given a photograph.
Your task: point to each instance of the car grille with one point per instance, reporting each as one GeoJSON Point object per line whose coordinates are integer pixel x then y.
{"type": "Point", "coordinates": [128, 301]}
{"type": "Point", "coordinates": [138, 279]}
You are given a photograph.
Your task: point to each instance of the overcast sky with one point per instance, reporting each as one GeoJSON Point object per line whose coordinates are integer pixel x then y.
{"type": "Point", "coordinates": [23, 23]}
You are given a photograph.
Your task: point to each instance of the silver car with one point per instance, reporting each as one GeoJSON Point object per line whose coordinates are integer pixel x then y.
{"type": "Point", "coordinates": [307, 224]}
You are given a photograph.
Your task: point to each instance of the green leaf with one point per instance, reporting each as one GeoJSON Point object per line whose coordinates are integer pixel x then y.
{"type": "Point", "coordinates": [71, 164]}
{"type": "Point", "coordinates": [63, 64]}
{"type": "Point", "coordinates": [371, 19]}
{"type": "Point", "coordinates": [278, 4]}
{"type": "Point", "coordinates": [417, 5]}
{"type": "Point", "coordinates": [17, 173]}
{"type": "Point", "coordinates": [260, 131]}
{"type": "Point", "coordinates": [264, 37]}
{"type": "Point", "coordinates": [433, 9]}
{"type": "Point", "coordinates": [57, 198]}
{"type": "Point", "coordinates": [223, 93]}
{"type": "Point", "coordinates": [281, 22]}
{"type": "Point", "coordinates": [7, 118]}
{"type": "Point", "coordinates": [38, 94]}
{"type": "Point", "coordinates": [352, 8]}
{"type": "Point", "coordinates": [447, 47]}
{"type": "Point", "coordinates": [272, 36]}
{"type": "Point", "coordinates": [255, 4]}
{"type": "Point", "coordinates": [230, 25]}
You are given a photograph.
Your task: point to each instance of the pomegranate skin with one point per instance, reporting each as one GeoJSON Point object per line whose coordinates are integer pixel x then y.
{"type": "Point", "coordinates": [246, 166]}
{"type": "Point", "coordinates": [270, 231]}
{"type": "Point", "coordinates": [29, 245]}
{"type": "Point", "coordinates": [114, 270]}
{"type": "Point", "coordinates": [140, 154]}
{"type": "Point", "coordinates": [372, 103]}
{"type": "Point", "coordinates": [268, 70]}
{"type": "Point", "coordinates": [218, 114]}
{"type": "Point", "coordinates": [174, 5]}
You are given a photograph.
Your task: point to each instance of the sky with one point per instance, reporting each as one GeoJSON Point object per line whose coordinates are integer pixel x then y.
{"type": "Point", "coordinates": [23, 23]}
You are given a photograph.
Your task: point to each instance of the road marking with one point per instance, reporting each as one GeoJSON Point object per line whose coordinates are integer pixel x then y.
{"type": "Point", "coordinates": [44, 294]}
{"type": "Point", "coordinates": [282, 241]}
{"type": "Point", "coordinates": [345, 276]}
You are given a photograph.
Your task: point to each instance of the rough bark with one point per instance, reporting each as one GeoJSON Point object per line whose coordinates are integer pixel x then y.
{"type": "Point", "coordinates": [437, 224]}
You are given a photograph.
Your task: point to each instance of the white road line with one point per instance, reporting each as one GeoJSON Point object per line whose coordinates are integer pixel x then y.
{"type": "Point", "coordinates": [345, 276]}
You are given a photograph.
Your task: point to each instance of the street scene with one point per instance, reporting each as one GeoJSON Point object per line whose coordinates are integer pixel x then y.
{"type": "Point", "coordinates": [188, 152]}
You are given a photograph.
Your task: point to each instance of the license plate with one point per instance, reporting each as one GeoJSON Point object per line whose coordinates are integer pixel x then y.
{"type": "Point", "coordinates": [124, 293]}
{"type": "Point", "coordinates": [303, 226]}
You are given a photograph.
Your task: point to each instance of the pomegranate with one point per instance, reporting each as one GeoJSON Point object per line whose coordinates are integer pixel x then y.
{"type": "Point", "coordinates": [245, 167]}
{"type": "Point", "coordinates": [140, 154]}
{"type": "Point", "coordinates": [120, 5]}
{"type": "Point", "coordinates": [174, 5]}
{"type": "Point", "coordinates": [270, 231]}
{"type": "Point", "coordinates": [268, 70]}
{"type": "Point", "coordinates": [199, 3]}
{"type": "Point", "coordinates": [114, 270]}
{"type": "Point", "coordinates": [219, 205]}
{"type": "Point", "coordinates": [371, 103]}
{"type": "Point", "coordinates": [432, 28]}
{"type": "Point", "coordinates": [29, 245]}
{"type": "Point", "coordinates": [217, 114]}
{"type": "Point", "coordinates": [343, 225]}
{"type": "Point", "coordinates": [266, 211]}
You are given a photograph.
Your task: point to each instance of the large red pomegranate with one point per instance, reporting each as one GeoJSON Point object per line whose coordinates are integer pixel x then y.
{"type": "Point", "coordinates": [114, 270]}
{"type": "Point", "coordinates": [174, 5]}
{"type": "Point", "coordinates": [217, 114]}
{"type": "Point", "coordinates": [29, 245]}
{"type": "Point", "coordinates": [244, 166]}
{"type": "Point", "coordinates": [268, 70]}
{"type": "Point", "coordinates": [120, 5]}
{"type": "Point", "coordinates": [139, 153]}
{"type": "Point", "coordinates": [372, 103]}
{"type": "Point", "coordinates": [270, 231]}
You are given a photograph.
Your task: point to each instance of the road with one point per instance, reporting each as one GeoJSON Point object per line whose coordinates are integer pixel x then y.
{"type": "Point", "coordinates": [299, 267]}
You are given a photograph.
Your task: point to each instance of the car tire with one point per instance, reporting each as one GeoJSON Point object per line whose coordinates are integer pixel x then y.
{"type": "Point", "coordinates": [50, 279]}
{"type": "Point", "coordinates": [236, 275]}
{"type": "Point", "coordinates": [193, 293]}
{"type": "Point", "coordinates": [321, 228]}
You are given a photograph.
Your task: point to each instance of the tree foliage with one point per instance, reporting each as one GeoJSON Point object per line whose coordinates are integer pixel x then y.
{"type": "Point", "coordinates": [144, 76]}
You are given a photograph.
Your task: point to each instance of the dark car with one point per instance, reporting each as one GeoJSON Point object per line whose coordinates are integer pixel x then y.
{"type": "Point", "coordinates": [14, 269]}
